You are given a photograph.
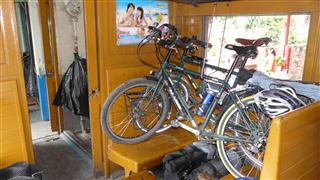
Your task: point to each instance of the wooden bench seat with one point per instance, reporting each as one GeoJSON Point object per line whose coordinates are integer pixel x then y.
{"type": "Point", "coordinates": [149, 154]}
{"type": "Point", "coordinates": [293, 149]}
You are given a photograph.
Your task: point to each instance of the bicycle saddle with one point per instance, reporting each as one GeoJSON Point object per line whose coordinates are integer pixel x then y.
{"type": "Point", "coordinates": [252, 42]}
{"type": "Point", "coordinates": [247, 51]}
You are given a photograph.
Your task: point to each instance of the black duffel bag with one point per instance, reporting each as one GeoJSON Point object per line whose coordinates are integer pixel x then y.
{"type": "Point", "coordinates": [21, 171]}
{"type": "Point", "coordinates": [179, 164]}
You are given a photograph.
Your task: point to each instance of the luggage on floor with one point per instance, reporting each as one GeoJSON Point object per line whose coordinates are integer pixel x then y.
{"type": "Point", "coordinates": [21, 171]}
{"type": "Point", "coordinates": [178, 165]}
{"type": "Point", "coordinates": [215, 168]}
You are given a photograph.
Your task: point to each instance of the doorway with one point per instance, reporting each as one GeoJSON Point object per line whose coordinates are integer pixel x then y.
{"type": "Point", "coordinates": [34, 81]}
{"type": "Point", "coordinates": [66, 139]}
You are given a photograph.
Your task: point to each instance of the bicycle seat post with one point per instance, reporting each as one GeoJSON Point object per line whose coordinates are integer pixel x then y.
{"type": "Point", "coordinates": [233, 66]}
{"type": "Point", "coordinates": [202, 69]}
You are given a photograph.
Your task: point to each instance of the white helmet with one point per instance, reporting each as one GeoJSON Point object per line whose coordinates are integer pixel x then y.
{"type": "Point", "coordinates": [278, 101]}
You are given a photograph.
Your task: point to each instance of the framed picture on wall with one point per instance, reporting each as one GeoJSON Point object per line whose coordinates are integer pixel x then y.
{"type": "Point", "coordinates": [134, 17]}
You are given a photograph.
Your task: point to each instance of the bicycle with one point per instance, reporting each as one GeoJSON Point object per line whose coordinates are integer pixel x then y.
{"type": "Point", "coordinates": [193, 92]}
{"type": "Point", "coordinates": [240, 134]}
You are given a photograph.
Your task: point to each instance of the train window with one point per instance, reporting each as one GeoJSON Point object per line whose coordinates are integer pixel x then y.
{"type": "Point", "coordinates": [283, 58]}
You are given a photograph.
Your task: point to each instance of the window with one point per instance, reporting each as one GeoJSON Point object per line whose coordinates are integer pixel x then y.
{"type": "Point", "coordinates": [283, 58]}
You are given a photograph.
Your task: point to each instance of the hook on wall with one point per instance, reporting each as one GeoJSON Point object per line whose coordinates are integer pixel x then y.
{"type": "Point", "coordinates": [74, 10]}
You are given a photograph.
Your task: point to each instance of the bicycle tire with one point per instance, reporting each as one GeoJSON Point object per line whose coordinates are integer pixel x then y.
{"type": "Point", "coordinates": [220, 131]}
{"type": "Point", "coordinates": [115, 94]}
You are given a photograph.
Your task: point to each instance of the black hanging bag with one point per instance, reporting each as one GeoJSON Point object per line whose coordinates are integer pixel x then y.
{"type": "Point", "coordinates": [73, 89]}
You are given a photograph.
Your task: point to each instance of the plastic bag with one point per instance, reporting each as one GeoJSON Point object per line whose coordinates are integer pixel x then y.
{"type": "Point", "coordinates": [73, 89]}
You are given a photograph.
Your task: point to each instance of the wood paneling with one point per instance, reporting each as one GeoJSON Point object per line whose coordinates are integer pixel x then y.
{"type": "Point", "coordinates": [316, 63]}
{"type": "Point", "coordinates": [293, 146]}
{"type": "Point", "coordinates": [115, 64]}
{"type": "Point", "coordinates": [313, 48]}
{"type": "Point", "coordinates": [2, 57]}
{"type": "Point", "coordinates": [93, 84]}
{"type": "Point", "coordinates": [15, 136]}
{"type": "Point", "coordinates": [51, 64]}
{"type": "Point", "coordinates": [251, 7]}
{"type": "Point", "coordinates": [12, 139]}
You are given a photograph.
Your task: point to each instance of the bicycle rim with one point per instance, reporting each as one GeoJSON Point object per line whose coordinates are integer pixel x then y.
{"type": "Point", "coordinates": [247, 157]}
{"type": "Point", "coordinates": [134, 112]}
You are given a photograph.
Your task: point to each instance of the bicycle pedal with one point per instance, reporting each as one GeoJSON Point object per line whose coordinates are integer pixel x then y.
{"type": "Point", "coordinates": [207, 139]}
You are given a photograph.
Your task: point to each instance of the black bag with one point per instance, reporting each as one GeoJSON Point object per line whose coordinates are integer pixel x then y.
{"type": "Point", "coordinates": [205, 168]}
{"type": "Point", "coordinates": [178, 165]}
{"type": "Point", "coordinates": [73, 89]}
{"type": "Point", "coordinates": [21, 171]}
{"type": "Point", "coordinates": [215, 168]}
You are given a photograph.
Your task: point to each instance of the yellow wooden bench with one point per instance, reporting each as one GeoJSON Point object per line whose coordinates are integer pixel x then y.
{"type": "Point", "coordinates": [293, 149]}
{"type": "Point", "coordinates": [149, 154]}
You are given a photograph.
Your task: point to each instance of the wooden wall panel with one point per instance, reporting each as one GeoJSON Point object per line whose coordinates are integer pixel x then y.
{"type": "Point", "coordinates": [2, 58]}
{"type": "Point", "coordinates": [124, 74]}
{"type": "Point", "coordinates": [12, 143]}
{"type": "Point", "coordinates": [241, 7]}
{"type": "Point", "coordinates": [117, 63]}
{"type": "Point", "coordinates": [15, 135]}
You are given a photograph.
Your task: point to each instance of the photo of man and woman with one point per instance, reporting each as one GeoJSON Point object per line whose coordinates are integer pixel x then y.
{"type": "Point", "coordinates": [133, 18]}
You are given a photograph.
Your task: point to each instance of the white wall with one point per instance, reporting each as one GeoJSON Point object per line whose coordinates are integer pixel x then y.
{"type": "Point", "coordinates": [64, 34]}
{"type": "Point", "coordinates": [36, 36]}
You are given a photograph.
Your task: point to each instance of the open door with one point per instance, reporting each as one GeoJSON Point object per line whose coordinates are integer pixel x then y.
{"type": "Point", "coordinates": [49, 46]}
{"type": "Point", "coordinates": [15, 135]}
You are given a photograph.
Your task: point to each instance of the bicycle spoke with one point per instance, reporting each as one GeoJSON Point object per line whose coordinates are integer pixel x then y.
{"type": "Point", "coordinates": [119, 123]}
{"type": "Point", "coordinates": [124, 128]}
{"type": "Point", "coordinates": [153, 120]}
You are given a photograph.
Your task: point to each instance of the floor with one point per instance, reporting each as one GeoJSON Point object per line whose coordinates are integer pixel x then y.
{"type": "Point", "coordinates": [57, 158]}
{"type": "Point", "coordinates": [39, 128]}
{"type": "Point", "coordinates": [58, 161]}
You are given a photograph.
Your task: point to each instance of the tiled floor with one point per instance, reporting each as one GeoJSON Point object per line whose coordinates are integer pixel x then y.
{"type": "Point", "coordinates": [39, 128]}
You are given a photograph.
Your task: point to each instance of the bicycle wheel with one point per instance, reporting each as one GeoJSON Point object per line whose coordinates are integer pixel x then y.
{"type": "Point", "coordinates": [243, 153]}
{"type": "Point", "coordinates": [134, 111]}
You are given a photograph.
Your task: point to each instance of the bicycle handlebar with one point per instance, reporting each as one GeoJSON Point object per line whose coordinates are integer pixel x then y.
{"type": "Point", "coordinates": [183, 42]}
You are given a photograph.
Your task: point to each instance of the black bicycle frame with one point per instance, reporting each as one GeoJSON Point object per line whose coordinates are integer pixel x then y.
{"type": "Point", "coordinates": [181, 104]}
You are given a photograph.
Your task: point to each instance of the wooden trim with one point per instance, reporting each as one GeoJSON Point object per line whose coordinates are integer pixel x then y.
{"type": "Point", "coordinates": [93, 83]}
{"type": "Point", "coordinates": [312, 63]}
{"type": "Point", "coordinates": [51, 64]}
{"type": "Point", "coordinates": [55, 59]}
{"type": "Point", "coordinates": [312, 49]}
{"type": "Point", "coordinates": [102, 33]}
{"type": "Point", "coordinates": [249, 7]}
